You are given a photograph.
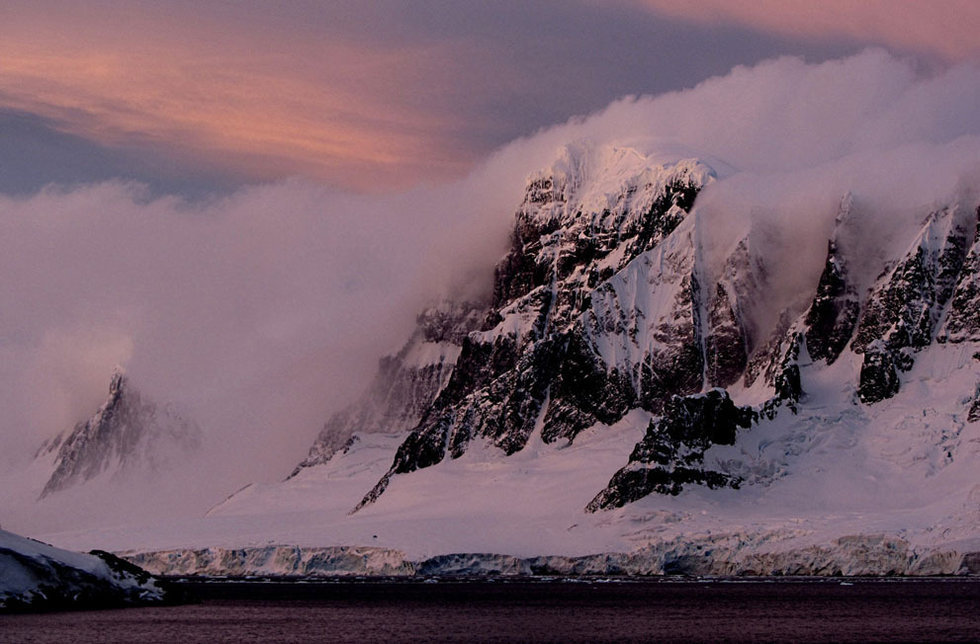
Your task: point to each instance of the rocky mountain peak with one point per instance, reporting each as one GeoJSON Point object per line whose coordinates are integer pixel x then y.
{"type": "Point", "coordinates": [605, 304]}
{"type": "Point", "coordinates": [127, 433]}
{"type": "Point", "coordinates": [579, 246]}
{"type": "Point", "coordinates": [834, 312]}
{"type": "Point", "coordinates": [592, 213]}
{"type": "Point", "coordinates": [116, 383]}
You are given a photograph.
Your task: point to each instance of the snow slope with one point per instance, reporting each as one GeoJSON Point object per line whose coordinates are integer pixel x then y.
{"type": "Point", "coordinates": [822, 495]}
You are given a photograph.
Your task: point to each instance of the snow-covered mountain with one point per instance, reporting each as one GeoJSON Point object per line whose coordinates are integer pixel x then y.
{"type": "Point", "coordinates": [37, 576]}
{"type": "Point", "coordinates": [643, 384]}
{"type": "Point", "coordinates": [606, 303]}
{"type": "Point", "coordinates": [126, 435]}
{"type": "Point", "coordinates": [591, 217]}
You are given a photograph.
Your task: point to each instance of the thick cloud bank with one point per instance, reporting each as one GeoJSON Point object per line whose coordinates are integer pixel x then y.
{"type": "Point", "coordinates": [260, 312]}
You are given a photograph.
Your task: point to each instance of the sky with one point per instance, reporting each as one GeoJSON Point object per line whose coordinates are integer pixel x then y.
{"type": "Point", "coordinates": [245, 204]}
{"type": "Point", "coordinates": [378, 96]}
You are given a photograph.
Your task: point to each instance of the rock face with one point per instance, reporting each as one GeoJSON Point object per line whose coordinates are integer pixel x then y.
{"type": "Point", "coordinates": [126, 433]}
{"type": "Point", "coordinates": [406, 383]}
{"type": "Point", "coordinates": [974, 414]}
{"type": "Point", "coordinates": [904, 308]}
{"type": "Point", "coordinates": [671, 453]}
{"type": "Point", "coordinates": [963, 321]}
{"type": "Point", "coordinates": [607, 302]}
{"type": "Point", "coordinates": [834, 313]}
{"type": "Point", "coordinates": [590, 273]}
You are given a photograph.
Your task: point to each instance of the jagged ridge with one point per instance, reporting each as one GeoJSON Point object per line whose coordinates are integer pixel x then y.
{"type": "Point", "coordinates": [126, 433]}
{"type": "Point", "coordinates": [604, 304]}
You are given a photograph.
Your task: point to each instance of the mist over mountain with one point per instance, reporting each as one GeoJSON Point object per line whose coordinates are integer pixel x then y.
{"type": "Point", "coordinates": [664, 246]}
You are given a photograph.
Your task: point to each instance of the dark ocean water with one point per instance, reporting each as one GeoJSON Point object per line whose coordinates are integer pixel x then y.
{"type": "Point", "coordinates": [539, 611]}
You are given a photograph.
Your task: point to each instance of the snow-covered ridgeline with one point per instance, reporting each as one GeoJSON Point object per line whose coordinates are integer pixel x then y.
{"type": "Point", "coordinates": [608, 301]}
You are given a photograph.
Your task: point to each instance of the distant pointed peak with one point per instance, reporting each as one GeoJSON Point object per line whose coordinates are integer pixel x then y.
{"type": "Point", "coordinates": [117, 380]}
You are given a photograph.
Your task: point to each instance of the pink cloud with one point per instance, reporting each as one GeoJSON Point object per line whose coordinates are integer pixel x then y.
{"type": "Point", "coordinates": [264, 103]}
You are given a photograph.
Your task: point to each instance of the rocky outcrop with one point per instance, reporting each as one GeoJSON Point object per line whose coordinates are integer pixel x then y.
{"type": "Point", "coordinates": [833, 315]}
{"type": "Point", "coordinates": [963, 321]}
{"type": "Point", "coordinates": [39, 577]}
{"type": "Point", "coordinates": [974, 414]}
{"type": "Point", "coordinates": [879, 373]}
{"type": "Point", "coordinates": [671, 453]}
{"type": "Point", "coordinates": [903, 310]}
{"type": "Point", "coordinates": [127, 433]}
{"type": "Point", "coordinates": [784, 377]}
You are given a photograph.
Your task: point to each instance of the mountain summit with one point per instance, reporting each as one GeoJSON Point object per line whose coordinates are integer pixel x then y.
{"type": "Point", "coordinates": [126, 434]}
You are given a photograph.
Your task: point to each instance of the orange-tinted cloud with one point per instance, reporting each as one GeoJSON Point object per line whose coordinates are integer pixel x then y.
{"type": "Point", "coordinates": [265, 104]}
{"type": "Point", "coordinates": [379, 96]}
{"type": "Point", "coordinates": [944, 28]}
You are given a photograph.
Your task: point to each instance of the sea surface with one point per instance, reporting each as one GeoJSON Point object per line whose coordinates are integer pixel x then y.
{"type": "Point", "coordinates": [594, 610]}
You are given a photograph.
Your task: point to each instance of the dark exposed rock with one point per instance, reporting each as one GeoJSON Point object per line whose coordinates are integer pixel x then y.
{"type": "Point", "coordinates": [903, 309]}
{"type": "Point", "coordinates": [788, 384]}
{"type": "Point", "coordinates": [583, 393]}
{"type": "Point", "coordinates": [725, 346]}
{"type": "Point", "coordinates": [731, 339]}
{"type": "Point", "coordinates": [974, 414]}
{"type": "Point", "coordinates": [126, 433]}
{"type": "Point", "coordinates": [963, 321]}
{"type": "Point", "coordinates": [832, 316]}
{"type": "Point", "coordinates": [879, 375]}
{"type": "Point", "coordinates": [779, 361]}
{"type": "Point", "coordinates": [665, 214]}
{"type": "Point", "coordinates": [767, 357]}
{"type": "Point", "coordinates": [671, 453]}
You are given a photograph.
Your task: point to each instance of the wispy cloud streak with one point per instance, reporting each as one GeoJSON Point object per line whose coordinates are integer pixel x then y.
{"type": "Point", "coordinates": [265, 104]}
{"type": "Point", "coordinates": [943, 28]}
